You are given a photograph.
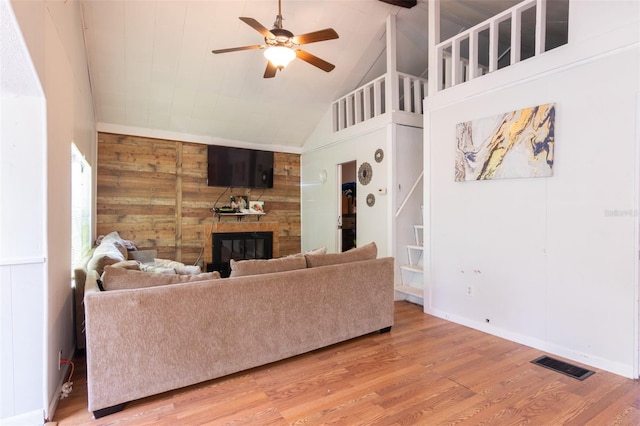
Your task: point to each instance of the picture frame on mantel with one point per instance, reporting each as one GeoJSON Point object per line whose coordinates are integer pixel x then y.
{"type": "Point", "coordinates": [239, 203]}
{"type": "Point", "coordinates": [256, 207]}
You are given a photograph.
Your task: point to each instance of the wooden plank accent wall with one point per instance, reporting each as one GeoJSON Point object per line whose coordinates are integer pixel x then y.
{"type": "Point", "coordinates": [154, 192]}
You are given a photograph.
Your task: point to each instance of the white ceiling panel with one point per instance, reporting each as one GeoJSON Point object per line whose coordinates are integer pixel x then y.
{"type": "Point", "coordinates": [151, 64]}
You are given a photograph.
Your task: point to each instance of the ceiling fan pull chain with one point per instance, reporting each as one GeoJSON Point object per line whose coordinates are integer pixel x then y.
{"type": "Point", "coordinates": [278, 23]}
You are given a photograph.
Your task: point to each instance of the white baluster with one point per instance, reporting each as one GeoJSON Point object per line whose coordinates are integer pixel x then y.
{"type": "Point", "coordinates": [377, 98]}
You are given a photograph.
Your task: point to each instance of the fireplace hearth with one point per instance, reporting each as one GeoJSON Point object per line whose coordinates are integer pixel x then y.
{"type": "Point", "coordinates": [238, 246]}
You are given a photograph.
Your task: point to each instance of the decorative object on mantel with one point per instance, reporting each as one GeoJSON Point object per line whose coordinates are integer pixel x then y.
{"type": "Point", "coordinates": [365, 173]}
{"type": "Point", "coordinates": [371, 200]}
{"type": "Point", "coordinates": [511, 145]}
{"type": "Point", "coordinates": [379, 155]}
{"type": "Point", "coordinates": [238, 215]}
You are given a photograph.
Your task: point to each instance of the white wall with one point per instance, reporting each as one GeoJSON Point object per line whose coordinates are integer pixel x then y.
{"type": "Point", "coordinates": [53, 34]}
{"type": "Point", "coordinates": [548, 264]}
{"type": "Point", "coordinates": [22, 242]}
{"type": "Point", "coordinates": [395, 174]}
{"type": "Point", "coordinates": [407, 157]}
{"type": "Point", "coordinates": [320, 200]}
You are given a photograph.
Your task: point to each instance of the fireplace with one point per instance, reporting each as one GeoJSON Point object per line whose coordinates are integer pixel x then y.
{"type": "Point", "coordinates": [239, 246]}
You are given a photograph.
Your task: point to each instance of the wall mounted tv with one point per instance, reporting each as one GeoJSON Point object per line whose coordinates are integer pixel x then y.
{"type": "Point", "coordinates": [239, 167]}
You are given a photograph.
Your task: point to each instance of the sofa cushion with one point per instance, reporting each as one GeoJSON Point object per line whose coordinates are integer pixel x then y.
{"type": "Point", "coordinates": [240, 268]}
{"type": "Point", "coordinates": [122, 279]}
{"type": "Point", "coordinates": [366, 252]}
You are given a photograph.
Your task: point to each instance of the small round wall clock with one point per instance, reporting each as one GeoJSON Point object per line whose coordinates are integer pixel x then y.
{"type": "Point", "coordinates": [365, 172]}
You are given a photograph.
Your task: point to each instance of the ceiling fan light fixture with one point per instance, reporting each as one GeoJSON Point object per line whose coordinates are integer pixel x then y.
{"type": "Point", "coordinates": [279, 56]}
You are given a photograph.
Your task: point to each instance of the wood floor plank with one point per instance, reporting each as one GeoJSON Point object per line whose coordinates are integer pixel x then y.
{"type": "Point", "coordinates": [426, 371]}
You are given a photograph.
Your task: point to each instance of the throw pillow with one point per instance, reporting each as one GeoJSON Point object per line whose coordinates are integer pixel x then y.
{"type": "Point", "coordinates": [143, 256]}
{"type": "Point", "coordinates": [240, 268]}
{"type": "Point", "coordinates": [320, 250]}
{"type": "Point", "coordinates": [127, 264]}
{"type": "Point", "coordinates": [153, 269]}
{"type": "Point", "coordinates": [107, 253]}
{"type": "Point", "coordinates": [366, 252]}
{"type": "Point", "coordinates": [114, 237]}
{"type": "Point", "coordinates": [122, 279]}
{"type": "Point", "coordinates": [180, 268]}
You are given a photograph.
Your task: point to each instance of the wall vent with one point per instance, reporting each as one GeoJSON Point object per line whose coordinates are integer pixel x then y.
{"type": "Point", "coordinates": [563, 367]}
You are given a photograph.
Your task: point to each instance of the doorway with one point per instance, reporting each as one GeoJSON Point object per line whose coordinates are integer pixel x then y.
{"type": "Point", "coordinates": [347, 205]}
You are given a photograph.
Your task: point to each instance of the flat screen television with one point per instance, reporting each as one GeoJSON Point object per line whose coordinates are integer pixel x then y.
{"type": "Point", "coordinates": [239, 167]}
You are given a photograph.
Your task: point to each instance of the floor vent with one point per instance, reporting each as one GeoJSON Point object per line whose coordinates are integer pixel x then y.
{"type": "Point", "coordinates": [563, 367]}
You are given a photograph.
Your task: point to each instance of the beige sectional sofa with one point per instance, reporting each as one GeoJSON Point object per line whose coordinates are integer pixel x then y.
{"type": "Point", "coordinates": [110, 250]}
{"type": "Point", "coordinates": [144, 341]}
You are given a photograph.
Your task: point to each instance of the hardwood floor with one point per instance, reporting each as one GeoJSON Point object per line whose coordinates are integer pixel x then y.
{"type": "Point", "coordinates": [426, 371]}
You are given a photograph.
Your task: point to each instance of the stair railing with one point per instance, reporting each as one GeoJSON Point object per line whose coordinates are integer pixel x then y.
{"type": "Point", "coordinates": [411, 191]}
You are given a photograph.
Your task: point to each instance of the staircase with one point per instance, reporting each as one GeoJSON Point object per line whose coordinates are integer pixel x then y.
{"type": "Point", "coordinates": [412, 273]}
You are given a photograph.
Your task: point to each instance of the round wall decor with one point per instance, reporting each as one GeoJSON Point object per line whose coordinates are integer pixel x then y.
{"type": "Point", "coordinates": [371, 200]}
{"type": "Point", "coordinates": [365, 172]}
{"type": "Point", "coordinates": [379, 155]}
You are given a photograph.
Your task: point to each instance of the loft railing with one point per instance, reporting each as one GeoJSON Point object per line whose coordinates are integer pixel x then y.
{"type": "Point", "coordinates": [457, 62]}
{"type": "Point", "coordinates": [452, 68]}
{"type": "Point", "coordinates": [370, 100]}
{"type": "Point", "coordinates": [464, 69]}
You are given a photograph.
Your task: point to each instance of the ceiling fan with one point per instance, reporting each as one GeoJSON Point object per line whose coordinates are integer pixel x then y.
{"type": "Point", "coordinates": [281, 46]}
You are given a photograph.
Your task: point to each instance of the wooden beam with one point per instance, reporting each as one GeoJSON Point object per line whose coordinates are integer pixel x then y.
{"type": "Point", "coordinates": [402, 3]}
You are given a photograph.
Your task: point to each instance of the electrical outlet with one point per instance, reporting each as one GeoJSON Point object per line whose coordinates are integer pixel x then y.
{"type": "Point", "coordinates": [469, 291]}
{"type": "Point", "coordinates": [60, 360]}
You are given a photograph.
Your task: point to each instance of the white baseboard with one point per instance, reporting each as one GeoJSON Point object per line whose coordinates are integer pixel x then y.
{"type": "Point", "coordinates": [64, 375]}
{"type": "Point", "coordinates": [32, 418]}
{"type": "Point", "coordinates": [548, 347]}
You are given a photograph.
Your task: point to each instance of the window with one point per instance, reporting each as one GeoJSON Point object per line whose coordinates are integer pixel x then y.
{"type": "Point", "coordinates": [80, 206]}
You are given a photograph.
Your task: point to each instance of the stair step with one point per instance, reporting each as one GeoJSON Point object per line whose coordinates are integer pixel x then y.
{"type": "Point", "coordinates": [412, 291]}
{"type": "Point", "coordinates": [417, 230]}
{"type": "Point", "coordinates": [412, 268]}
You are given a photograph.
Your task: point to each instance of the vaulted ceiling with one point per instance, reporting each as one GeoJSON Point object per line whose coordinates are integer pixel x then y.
{"type": "Point", "coordinates": [151, 65]}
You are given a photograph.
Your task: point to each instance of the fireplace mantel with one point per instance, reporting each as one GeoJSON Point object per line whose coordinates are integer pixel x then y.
{"type": "Point", "coordinates": [215, 227]}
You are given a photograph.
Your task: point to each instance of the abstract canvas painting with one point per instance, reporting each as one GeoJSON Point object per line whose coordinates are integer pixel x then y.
{"type": "Point", "coordinates": [511, 145]}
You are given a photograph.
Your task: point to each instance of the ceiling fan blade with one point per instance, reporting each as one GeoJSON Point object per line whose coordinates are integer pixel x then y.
{"type": "Point", "coordinates": [270, 72]}
{"type": "Point", "coordinates": [235, 49]}
{"type": "Point", "coordinates": [258, 27]}
{"type": "Point", "coordinates": [322, 35]}
{"type": "Point", "coordinates": [314, 60]}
